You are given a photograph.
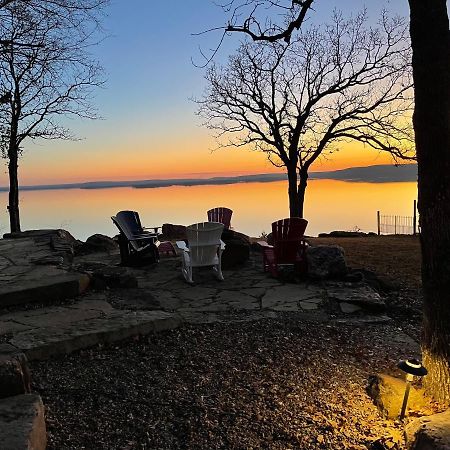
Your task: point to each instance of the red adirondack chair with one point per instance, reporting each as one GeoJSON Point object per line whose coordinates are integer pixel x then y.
{"type": "Point", "coordinates": [221, 215]}
{"type": "Point", "coordinates": [289, 245]}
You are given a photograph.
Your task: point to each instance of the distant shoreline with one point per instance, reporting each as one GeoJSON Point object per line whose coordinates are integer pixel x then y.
{"type": "Point", "coordinates": [382, 173]}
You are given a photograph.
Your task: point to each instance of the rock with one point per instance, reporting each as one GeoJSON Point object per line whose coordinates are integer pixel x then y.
{"type": "Point", "coordinates": [363, 296]}
{"type": "Point", "coordinates": [59, 242]}
{"type": "Point", "coordinates": [380, 283]}
{"type": "Point", "coordinates": [14, 372]}
{"type": "Point", "coordinates": [429, 433]}
{"type": "Point", "coordinates": [349, 308]}
{"type": "Point", "coordinates": [172, 232]}
{"type": "Point", "coordinates": [22, 423]}
{"type": "Point", "coordinates": [387, 393]}
{"type": "Point", "coordinates": [42, 235]}
{"type": "Point", "coordinates": [49, 260]}
{"type": "Point", "coordinates": [361, 321]}
{"type": "Point", "coordinates": [326, 261]}
{"type": "Point", "coordinates": [112, 277]}
{"type": "Point", "coordinates": [237, 249]}
{"type": "Point", "coordinates": [340, 234]}
{"type": "Point", "coordinates": [97, 243]}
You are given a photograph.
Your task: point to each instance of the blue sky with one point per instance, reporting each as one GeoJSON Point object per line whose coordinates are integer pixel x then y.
{"type": "Point", "coordinates": [148, 120]}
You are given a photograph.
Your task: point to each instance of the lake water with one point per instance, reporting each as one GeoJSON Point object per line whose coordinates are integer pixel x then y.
{"type": "Point", "coordinates": [330, 205]}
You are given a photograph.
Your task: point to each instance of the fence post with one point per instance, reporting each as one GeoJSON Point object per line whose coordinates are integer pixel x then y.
{"type": "Point", "coordinates": [378, 222]}
{"type": "Point", "coordinates": [414, 218]}
{"type": "Point", "coordinates": [395, 224]}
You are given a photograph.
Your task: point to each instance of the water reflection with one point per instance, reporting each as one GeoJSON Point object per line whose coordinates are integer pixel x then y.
{"type": "Point", "coordinates": [330, 205]}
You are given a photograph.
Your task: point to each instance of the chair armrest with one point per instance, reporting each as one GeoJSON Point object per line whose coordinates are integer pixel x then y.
{"type": "Point", "coordinates": [264, 244]}
{"type": "Point", "coordinates": [222, 245]}
{"type": "Point", "coordinates": [182, 245]}
{"type": "Point", "coordinates": [155, 229]}
{"type": "Point", "coordinates": [141, 237]}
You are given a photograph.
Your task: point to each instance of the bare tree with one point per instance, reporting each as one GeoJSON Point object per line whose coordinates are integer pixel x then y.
{"type": "Point", "coordinates": [429, 28]}
{"type": "Point", "coordinates": [298, 102]}
{"type": "Point", "coordinates": [245, 17]}
{"type": "Point", "coordinates": [49, 77]}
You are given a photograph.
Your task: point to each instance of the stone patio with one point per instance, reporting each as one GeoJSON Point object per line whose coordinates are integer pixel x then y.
{"type": "Point", "coordinates": [53, 302]}
{"type": "Point", "coordinates": [41, 267]}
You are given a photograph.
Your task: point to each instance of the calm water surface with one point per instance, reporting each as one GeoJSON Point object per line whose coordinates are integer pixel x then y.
{"type": "Point", "coordinates": [330, 205]}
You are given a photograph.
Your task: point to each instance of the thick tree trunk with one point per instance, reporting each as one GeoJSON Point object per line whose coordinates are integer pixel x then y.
{"type": "Point", "coordinates": [13, 207]}
{"type": "Point", "coordinates": [294, 206]}
{"type": "Point", "coordinates": [301, 189]}
{"type": "Point", "coordinates": [431, 70]}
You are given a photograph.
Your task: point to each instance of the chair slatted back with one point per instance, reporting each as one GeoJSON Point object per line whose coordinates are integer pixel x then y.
{"type": "Point", "coordinates": [288, 237]}
{"type": "Point", "coordinates": [221, 215]}
{"type": "Point", "coordinates": [204, 241]}
{"type": "Point", "coordinates": [132, 219]}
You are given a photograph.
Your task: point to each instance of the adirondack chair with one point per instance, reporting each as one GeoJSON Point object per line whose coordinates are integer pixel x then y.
{"type": "Point", "coordinates": [134, 223]}
{"type": "Point", "coordinates": [136, 245]}
{"type": "Point", "coordinates": [289, 246]}
{"type": "Point", "coordinates": [204, 248]}
{"type": "Point", "coordinates": [221, 215]}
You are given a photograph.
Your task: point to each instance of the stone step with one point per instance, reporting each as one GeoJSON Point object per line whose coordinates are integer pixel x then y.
{"type": "Point", "coordinates": [64, 338]}
{"type": "Point", "coordinates": [42, 285]}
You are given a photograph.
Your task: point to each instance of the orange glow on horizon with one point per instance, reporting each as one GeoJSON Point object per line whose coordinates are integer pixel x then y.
{"type": "Point", "coordinates": [172, 159]}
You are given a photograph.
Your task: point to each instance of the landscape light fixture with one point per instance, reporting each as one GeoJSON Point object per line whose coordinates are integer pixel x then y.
{"type": "Point", "coordinates": [412, 367]}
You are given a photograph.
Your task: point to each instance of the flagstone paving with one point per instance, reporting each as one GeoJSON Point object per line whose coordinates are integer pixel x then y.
{"type": "Point", "coordinates": [153, 298]}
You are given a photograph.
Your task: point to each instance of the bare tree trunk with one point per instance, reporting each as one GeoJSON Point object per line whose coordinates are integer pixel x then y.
{"type": "Point", "coordinates": [431, 70]}
{"type": "Point", "coordinates": [301, 189]}
{"type": "Point", "coordinates": [294, 206]}
{"type": "Point", "coordinates": [13, 206]}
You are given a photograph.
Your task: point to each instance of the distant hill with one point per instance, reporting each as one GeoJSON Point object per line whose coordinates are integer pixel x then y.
{"type": "Point", "coordinates": [371, 174]}
{"type": "Point", "coordinates": [383, 173]}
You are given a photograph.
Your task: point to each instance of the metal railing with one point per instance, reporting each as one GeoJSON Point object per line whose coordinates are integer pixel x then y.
{"type": "Point", "coordinates": [392, 224]}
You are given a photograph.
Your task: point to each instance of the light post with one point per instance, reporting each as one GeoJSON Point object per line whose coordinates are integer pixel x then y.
{"type": "Point", "coordinates": [412, 367]}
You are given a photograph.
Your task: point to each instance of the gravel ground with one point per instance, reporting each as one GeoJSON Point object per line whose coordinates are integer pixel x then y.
{"type": "Point", "coordinates": [271, 384]}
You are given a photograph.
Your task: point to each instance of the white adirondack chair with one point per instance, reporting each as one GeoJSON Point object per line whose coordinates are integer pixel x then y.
{"type": "Point", "coordinates": [204, 248]}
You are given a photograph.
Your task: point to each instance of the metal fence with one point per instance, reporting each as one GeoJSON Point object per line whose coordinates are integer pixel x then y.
{"type": "Point", "coordinates": [397, 224]}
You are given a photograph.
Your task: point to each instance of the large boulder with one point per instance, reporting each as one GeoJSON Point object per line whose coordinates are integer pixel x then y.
{"type": "Point", "coordinates": [97, 243]}
{"type": "Point", "coordinates": [172, 232]}
{"type": "Point", "coordinates": [429, 433]}
{"type": "Point", "coordinates": [326, 261]}
{"type": "Point", "coordinates": [237, 249]}
{"type": "Point", "coordinates": [387, 393]}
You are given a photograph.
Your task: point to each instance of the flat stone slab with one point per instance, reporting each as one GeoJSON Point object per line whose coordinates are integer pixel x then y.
{"type": "Point", "coordinates": [66, 338]}
{"type": "Point", "coordinates": [42, 284]}
{"type": "Point", "coordinates": [289, 293]}
{"type": "Point", "coordinates": [349, 308]}
{"type": "Point", "coordinates": [237, 300]}
{"type": "Point", "coordinates": [7, 327]}
{"type": "Point", "coordinates": [308, 306]}
{"type": "Point", "coordinates": [195, 292]}
{"type": "Point", "coordinates": [363, 296]}
{"type": "Point", "coordinates": [365, 320]}
{"type": "Point", "coordinates": [22, 423]}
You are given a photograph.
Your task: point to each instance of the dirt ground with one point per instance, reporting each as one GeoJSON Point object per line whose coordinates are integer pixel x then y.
{"type": "Point", "coordinates": [397, 257]}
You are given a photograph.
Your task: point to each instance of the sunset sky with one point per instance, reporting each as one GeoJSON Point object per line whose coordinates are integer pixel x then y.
{"type": "Point", "coordinates": [149, 129]}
